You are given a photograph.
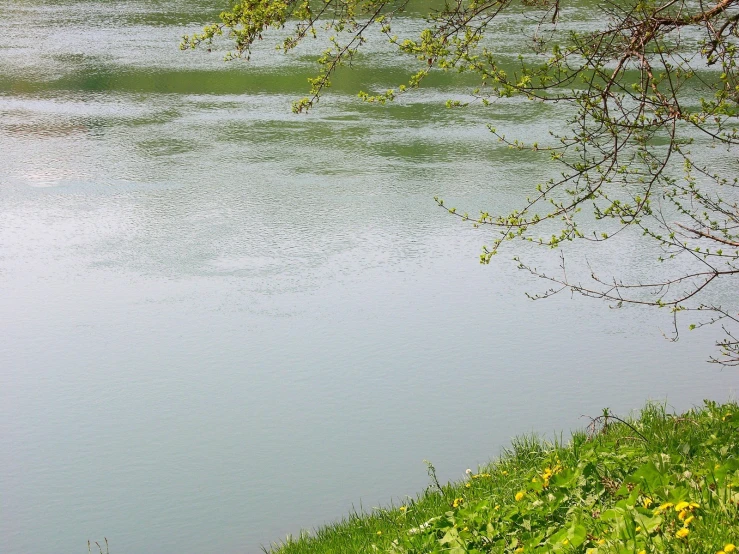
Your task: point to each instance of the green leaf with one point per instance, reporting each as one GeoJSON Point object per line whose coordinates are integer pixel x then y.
{"type": "Point", "coordinates": [650, 477]}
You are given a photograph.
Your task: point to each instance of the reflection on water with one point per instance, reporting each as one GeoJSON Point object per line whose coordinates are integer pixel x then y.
{"type": "Point", "coordinates": [39, 130]}
{"type": "Point", "coordinates": [222, 322]}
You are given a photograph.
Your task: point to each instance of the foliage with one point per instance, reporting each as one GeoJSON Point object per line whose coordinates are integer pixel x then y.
{"type": "Point", "coordinates": [661, 483]}
{"type": "Point", "coordinates": [651, 94]}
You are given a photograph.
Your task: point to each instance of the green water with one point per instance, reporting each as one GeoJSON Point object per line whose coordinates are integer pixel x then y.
{"type": "Point", "coordinates": [221, 322]}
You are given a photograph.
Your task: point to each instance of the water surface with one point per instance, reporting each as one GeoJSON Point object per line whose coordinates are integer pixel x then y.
{"type": "Point", "coordinates": [221, 322]}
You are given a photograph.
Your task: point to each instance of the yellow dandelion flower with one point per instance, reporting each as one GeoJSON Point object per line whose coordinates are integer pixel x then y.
{"type": "Point", "coordinates": [601, 541]}
{"type": "Point", "coordinates": [497, 507]}
{"type": "Point", "coordinates": [642, 552]}
{"type": "Point", "coordinates": [682, 515]}
{"type": "Point", "coordinates": [682, 533]}
{"type": "Point", "coordinates": [662, 507]}
{"type": "Point", "coordinates": [520, 495]}
{"type": "Point", "coordinates": [720, 552]}
{"type": "Point", "coordinates": [467, 485]}
{"type": "Point", "coordinates": [694, 505]}
{"type": "Point", "coordinates": [505, 473]}
{"type": "Point", "coordinates": [466, 529]}
{"type": "Point", "coordinates": [379, 532]}
{"type": "Point", "coordinates": [403, 508]}
{"type": "Point", "coordinates": [566, 541]}
{"type": "Point", "coordinates": [518, 550]}
{"type": "Point", "coordinates": [638, 528]}
{"type": "Point", "coordinates": [647, 502]}
{"type": "Point", "coordinates": [680, 506]}
{"type": "Point", "coordinates": [729, 548]}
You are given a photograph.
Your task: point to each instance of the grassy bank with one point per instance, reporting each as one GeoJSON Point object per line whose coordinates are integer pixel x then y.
{"type": "Point", "coordinates": [656, 483]}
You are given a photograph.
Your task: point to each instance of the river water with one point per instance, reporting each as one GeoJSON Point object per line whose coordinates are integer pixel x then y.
{"type": "Point", "coordinates": [221, 322]}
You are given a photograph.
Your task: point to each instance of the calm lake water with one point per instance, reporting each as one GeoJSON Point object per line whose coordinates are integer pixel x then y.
{"type": "Point", "coordinates": [221, 323]}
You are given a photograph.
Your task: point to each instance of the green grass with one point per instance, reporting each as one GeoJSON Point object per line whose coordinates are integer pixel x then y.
{"type": "Point", "coordinates": [656, 483]}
